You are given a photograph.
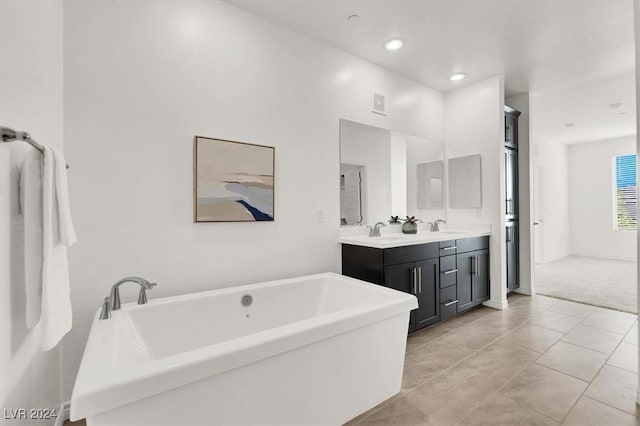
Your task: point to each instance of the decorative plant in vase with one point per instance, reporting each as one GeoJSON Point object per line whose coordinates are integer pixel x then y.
{"type": "Point", "coordinates": [410, 225]}
{"type": "Point", "coordinates": [395, 220]}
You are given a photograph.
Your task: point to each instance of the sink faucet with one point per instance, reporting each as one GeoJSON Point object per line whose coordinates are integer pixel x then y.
{"type": "Point", "coordinates": [435, 226]}
{"type": "Point", "coordinates": [112, 303]}
{"type": "Point", "coordinates": [375, 230]}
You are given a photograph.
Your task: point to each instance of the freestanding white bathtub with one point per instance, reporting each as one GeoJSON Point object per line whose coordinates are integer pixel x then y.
{"type": "Point", "coordinates": [314, 350]}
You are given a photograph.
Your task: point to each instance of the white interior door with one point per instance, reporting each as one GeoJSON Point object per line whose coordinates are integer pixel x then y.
{"type": "Point", "coordinates": [538, 228]}
{"type": "Point", "coordinates": [353, 196]}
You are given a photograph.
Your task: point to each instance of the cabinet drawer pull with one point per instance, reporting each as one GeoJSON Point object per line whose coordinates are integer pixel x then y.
{"type": "Point", "coordinates": [451, 271]}
{"type": "Point", "coordinates": [449, 248]}
{"type": "Point", "coordinates": [453, 302]}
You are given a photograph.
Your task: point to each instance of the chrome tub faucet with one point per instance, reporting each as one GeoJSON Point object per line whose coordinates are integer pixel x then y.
{"type": "Point", "coordinates": [112, 303]}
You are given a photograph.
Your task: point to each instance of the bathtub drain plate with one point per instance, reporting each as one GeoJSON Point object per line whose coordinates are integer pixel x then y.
{"type": "Point", "coordinates": [246, 300]}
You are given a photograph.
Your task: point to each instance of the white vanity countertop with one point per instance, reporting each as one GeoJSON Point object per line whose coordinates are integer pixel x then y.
{"type": "Point", "coordinates": [396, 239]}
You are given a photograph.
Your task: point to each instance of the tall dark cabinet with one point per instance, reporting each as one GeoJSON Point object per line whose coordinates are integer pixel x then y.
{"type": "Point", "coordinates": [511, 195]}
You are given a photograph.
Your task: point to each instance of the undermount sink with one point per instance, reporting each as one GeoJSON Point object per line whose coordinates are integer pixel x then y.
{"type": "Point", "coordinates": [394, 237]}
{"type": "Point", "coordinates": [453, 232]}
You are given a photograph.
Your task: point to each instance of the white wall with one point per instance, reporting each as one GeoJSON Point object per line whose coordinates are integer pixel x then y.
{"type": "Point", "coordinates": [636, 20]}
{"type": "Point", "coordinates": [554, 159]}
{"type": "Point", "coordinates": [31, 88]}
{"type": "Point", "coordinates": [141, 79]}
{"type": "Point", "coordinates": [475, 125]}
{"type": "Point", "coordinates": [591, 200]}
{"type": "Point", "coordinates": [525, 189]}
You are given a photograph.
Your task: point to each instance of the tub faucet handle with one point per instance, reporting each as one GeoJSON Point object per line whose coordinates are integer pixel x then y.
{"type": "Point", "coordinates": [142, 296]}
{"type": "Point", "coordinates": [106, 309]}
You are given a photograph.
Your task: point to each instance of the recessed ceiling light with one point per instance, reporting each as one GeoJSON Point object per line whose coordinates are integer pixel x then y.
{"type": "Point", "coordinates": [615, 105]}
{"type": "Point", "coordinates": [394, 44]}
{"type": "Point", "coordinates": [353, 18]}
{"type": "Point", "coordinates": [458, 76]}
{"type": "Point", "coordinates": [569, 125]}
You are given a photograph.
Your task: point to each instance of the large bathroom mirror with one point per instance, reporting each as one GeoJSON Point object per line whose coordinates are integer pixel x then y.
{"type": "Point", "coordinates": [385, 173]}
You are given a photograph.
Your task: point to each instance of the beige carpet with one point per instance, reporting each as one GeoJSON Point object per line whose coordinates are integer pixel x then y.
{"type": "Point", "coordinates": [599, 282]}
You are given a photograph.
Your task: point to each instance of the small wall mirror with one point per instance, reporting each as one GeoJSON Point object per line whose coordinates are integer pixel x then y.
{"type": "Point", "coordinates": [465, 182]}
{"type": "Point", "coordinates": [430, 184]}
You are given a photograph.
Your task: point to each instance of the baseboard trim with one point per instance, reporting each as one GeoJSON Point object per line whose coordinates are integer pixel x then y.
{"type": "Point", "coordinates": [585, 303]}
{"type": "Point", "coordinates": [596, 256]}
{"type": "Point", "coordinates": [553, 259]}
{"type": "Point", "coordinates": [527, 291]}
{"type": "Point", "coordinates": [496, 304]}
{"type": "Point", "coordinates": [63, 414]}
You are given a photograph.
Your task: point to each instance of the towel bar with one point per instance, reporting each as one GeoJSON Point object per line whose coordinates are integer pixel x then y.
{"type": "Point", "coordinates": [10, 135]}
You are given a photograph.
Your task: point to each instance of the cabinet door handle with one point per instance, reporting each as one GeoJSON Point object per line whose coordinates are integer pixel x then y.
{"type": "Point", "coordinates": [473, 265]}
{"type": "Point", "coordinates": [414, 280]}
{"type": "Point", "coordinates": [450, 271]}
{"type": "Point", "coordinates": [509, 234]}
{"type": "Point", "coordinates": [453, 302]}
{"type": "Point", "coordinates": [476, 259]}
{"type": "Point", "coordinates": [509, 206]}
{"type": "Point", "coordinates": [419, 279]}
{"type": "Point", "coordinates": [449, 248]}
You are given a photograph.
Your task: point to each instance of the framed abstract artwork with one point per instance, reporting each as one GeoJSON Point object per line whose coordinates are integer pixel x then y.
{"type": "Point", "coordinates": [233, 181]}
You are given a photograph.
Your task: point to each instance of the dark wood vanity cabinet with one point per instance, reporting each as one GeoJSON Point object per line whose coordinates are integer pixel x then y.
{"type": "Point", "coordinates": [421, 279]}
{"type": "Point", "coordinates": [447, 277]}
{"type": "Point", "coordinates": [473, 279]}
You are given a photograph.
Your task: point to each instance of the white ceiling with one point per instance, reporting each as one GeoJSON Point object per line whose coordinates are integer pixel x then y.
{"type": "Point", "coordinates": [587, 107]}
{"type": "Point", "coordinates": [555, 48]}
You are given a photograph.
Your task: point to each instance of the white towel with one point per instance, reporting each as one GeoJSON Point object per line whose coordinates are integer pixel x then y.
{"type": "Point", "coordinates": [31, 209]}
{"type": "Point", "coordinates": [57, 235]}
{"type": "Point", "coordinates": [67, 235]}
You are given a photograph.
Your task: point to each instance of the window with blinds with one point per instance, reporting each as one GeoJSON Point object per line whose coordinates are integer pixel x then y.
{"type": "Point", "coordinates": [626, 189]}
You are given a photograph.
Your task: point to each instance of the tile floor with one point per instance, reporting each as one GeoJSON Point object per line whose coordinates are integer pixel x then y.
{"type": "Point", "coordinates": [543, 361]}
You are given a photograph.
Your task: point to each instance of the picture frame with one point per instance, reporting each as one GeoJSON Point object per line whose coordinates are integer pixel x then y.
{"type": "Point", "coordinates": [232, 181]}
